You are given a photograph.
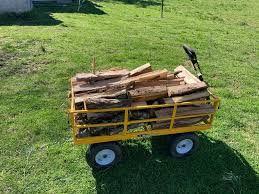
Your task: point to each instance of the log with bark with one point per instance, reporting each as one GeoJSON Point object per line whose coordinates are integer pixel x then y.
{"type": "Point", "coordinates": [120, 94]}
{"type": "Point", "coordinates": [185, 110]}
{"type": "Point", "coordinates": [148, 93]}
{"type": "Point", "coordinates": [186, 89]}
{"type": "Point", "coordinates": [90, 77]}
{"type": "Point", "coordinates": [101, 103]}
{"type": "Point", "coordinates": [179, 122]}
{"type": "Point", "coordinates": [193, 96]}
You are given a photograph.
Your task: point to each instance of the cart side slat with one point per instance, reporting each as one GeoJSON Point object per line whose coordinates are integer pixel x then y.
{"type": "Point", "coordinates": [157, 132]}
{"type": "Point", "coordinates": [144, 107]}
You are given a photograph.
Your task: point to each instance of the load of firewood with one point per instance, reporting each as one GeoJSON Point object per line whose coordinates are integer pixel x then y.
{"type": "Point", "coordinates": [139, 87]}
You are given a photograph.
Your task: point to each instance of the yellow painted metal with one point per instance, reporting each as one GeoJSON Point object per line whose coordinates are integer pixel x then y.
{"type": "Point", "coordinates": [100, 125]}
{"type": "Point", "coordinates": [125, 110]}
{"type": "Point", "coordinates": [173, 117]}
{"type": "Point", "coordinates": [144, 107]}
{"type": "Point", "coordinates": [158, 132]}
{"type": "Point", "coordinates": [126, 120]}
{"type": "Point", "coordinates": [73, 126]}
{"type": "Point", "coordinates": [216, 106]}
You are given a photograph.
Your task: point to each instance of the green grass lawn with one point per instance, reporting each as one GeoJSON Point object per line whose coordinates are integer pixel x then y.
{"type": "Point", "coordinates": [41, 50]}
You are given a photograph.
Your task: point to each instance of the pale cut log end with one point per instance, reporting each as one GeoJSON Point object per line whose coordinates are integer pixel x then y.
{"type": "Point", "coordinates": [140, 70]}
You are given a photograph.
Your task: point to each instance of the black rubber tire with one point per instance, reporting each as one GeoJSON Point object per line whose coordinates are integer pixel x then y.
{"type": "Point", "coordinates": [175, 139]}
{"type": "Point", "coordinates": [95, 148]}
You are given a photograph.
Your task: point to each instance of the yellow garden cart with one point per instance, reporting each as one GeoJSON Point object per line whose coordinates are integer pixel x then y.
{"type": "Point", "coordinates": [105, 152]}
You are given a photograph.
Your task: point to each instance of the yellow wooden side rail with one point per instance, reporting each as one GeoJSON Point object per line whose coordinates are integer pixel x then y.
{"type": "Point", "coordinates": [125, 134]}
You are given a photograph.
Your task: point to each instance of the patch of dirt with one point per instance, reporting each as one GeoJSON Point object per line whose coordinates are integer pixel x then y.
{"type": "Point", "coordinates": [6, 57]}
{"type": "Point", "coordinates": [14, 63]}
{"type": "Point", "coordinates": [30, 66]}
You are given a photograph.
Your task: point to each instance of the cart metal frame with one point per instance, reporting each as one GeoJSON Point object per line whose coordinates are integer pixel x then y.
{"type": "Point", "coordinates": [125, 134]}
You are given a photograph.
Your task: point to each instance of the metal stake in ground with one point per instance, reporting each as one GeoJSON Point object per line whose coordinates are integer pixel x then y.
{"type": "Point", "coordinates": [162, 8]}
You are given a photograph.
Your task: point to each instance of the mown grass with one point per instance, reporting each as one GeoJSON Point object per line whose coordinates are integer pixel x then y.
{"type": "Point", "coordinates": [41, 50]}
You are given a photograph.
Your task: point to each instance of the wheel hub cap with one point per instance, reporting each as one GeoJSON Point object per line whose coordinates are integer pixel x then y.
{"type": "Point", "coordinates": [105, 157]}
{"type": "Point", "coordinates": [184, 146]}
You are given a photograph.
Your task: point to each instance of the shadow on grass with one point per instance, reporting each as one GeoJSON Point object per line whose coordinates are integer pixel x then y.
{"type": "Point", "coordinates": [141, 3]}
{"type": "Point", "coordinates": [41, 15]}
{"type": "Point", "coordinates": [215, 168]}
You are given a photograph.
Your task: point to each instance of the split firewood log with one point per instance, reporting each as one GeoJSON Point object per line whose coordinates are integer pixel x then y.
{"type": "Point", "coordinates": [148, 93]}
{"type": "Point", "coordinates": [179, 122]}
{"type": "Point", "coordinates": [102, 75]}
{"type": "Point", "coordinates": [100, 116]}
{"type": "Point", "coordinates": [173, 82]}
{"type": "Point", "coordinates": [185, 110]}
{"type": "Point", "coordinates": [85, 77]}
{"type": "Point", "coordinates": [101, 103]}
{"type": "Point", "coordinates": [186, 89]}
{"type": "Point", "coordinates": [138, 103]}
{"type": "Point", "coordinates": [121, 94]}
{"type": "Point", "coordinates": [140, 70]}
{"type": "Point", "coordinates": [189, 97]}
{"type": "Point", "coordinates": [189, 78]}
{"type": "Point", "coordinates": [103, 85]}
{"type": "Point", "coordinates": [121, 82]}
{"type": "Point", "coordinates": [111, 74]}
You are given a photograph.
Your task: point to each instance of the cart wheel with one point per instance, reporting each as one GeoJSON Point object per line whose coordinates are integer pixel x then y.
{"type": "Point", "coordinates": [103, 155]}
{"type": "Point", "coordinates": [184, 144]}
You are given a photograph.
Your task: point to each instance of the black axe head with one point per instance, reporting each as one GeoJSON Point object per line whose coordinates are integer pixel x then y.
{"type": "Point", "coordinates": [190, 52]}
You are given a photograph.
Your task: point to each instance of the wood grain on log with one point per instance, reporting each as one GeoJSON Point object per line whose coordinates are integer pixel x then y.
{"type": "Point", "coordinates": [93, 116]}
{"type": "Point", "coordinates": [102, 75]}
{"type": "Point", "coordinates": [192, 110]}
{"type": "Point", "coordinates": [141, 69]}
{"type": "Point", "coordinates": [101, 86]}
{"type": "Point", "coordinates": [186, 89]}
{"type": "Point", "coordinates": [111, 74]}
{"type": "Point", "coordinates": [139, 103]}
{"type": "Point", "coordinates": [174, 82]}
{"type": "Point", "coordinates": [178, 122]}
{"type": "Point", "coordinates": [100, 103]}
{"type": "Point", "coordinates": [85, 76]}
{"type": "Point", "coordinates": [148, 93]}
{"type": "Point", "coordinates": [185, 110]}
{"type": "Point", "coordinates": [122, 82]}
{"type": "Point", "coordinates": [193, 96]}
{"type": "Point", "coordinates": [121, 94]}
{"type": "Point", "coordinates": [189, 78]}
{"type": "Point", "coordinates": [153, 75]}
